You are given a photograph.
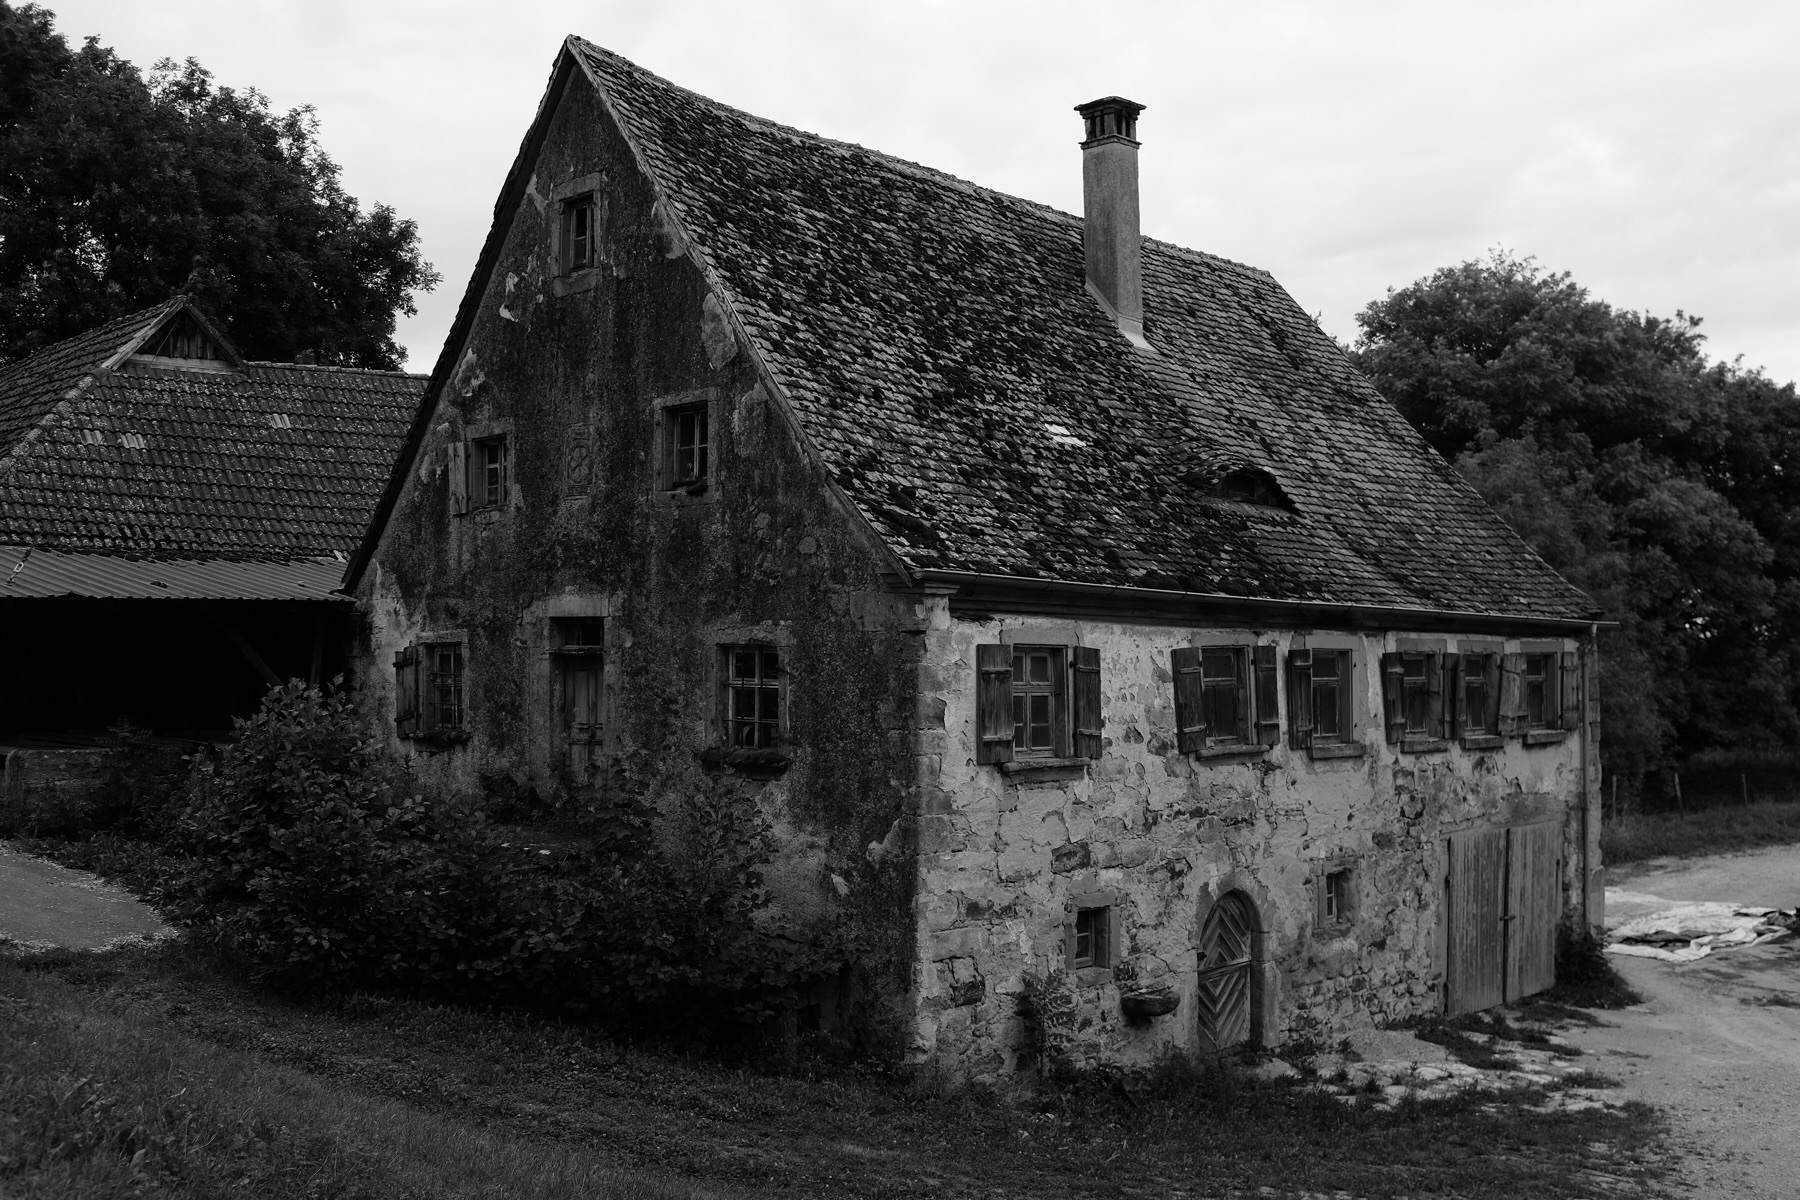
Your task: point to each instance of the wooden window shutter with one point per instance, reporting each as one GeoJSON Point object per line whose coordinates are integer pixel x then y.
{"type": "Point", "coordinates": [1300, 723]}
{"type": "Point", "coordinates": [1087, 701]}
{"type": "Point", "coordinates": [1434, 689]}
{"type": "Point", "coordinates": [406, 691]}
{"type": "Point", "coordinates": [1512, 695]}
{"type": "Point", "coordinates": [1490, 666]}
{"type": "Point", "coordinates": [1246, 722]}
{"type": "Point", "coordinates": [1268, 703]}
{"type": "Point", "coordinates": [993, 704]}
{"type": "Point", "coordinates": [1454, 696]}
{"type": "Point", "coordinates": [1190, 711]}
{"type": "Point", "coordinates": [459, 478]}
{"type": "Point", "coordinates": [1393, 694]}
{"type": "Point", "coordinates": [1568, 674]}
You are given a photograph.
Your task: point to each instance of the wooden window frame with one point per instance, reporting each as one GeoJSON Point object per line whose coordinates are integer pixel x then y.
{"type": "Point", "coordinates": [1335, 898]}
{"type": "Point", "coordinates": [1405, 695]}
{"type": "Point", "coordinates": [418, 705]}
{"type": "Point", "coordinates": [1106, 910]}
{"type": "Point", "coordinates": [675, 486]}
{"type": "Point", "coordinates": [580, 246]}
{"type": "Point", "coordinates": [1056, 688]}
{"type": "Point", "coordinates": [577, 640]}
{"type": "Point", "coordinates": [1476, 661]}
{"type": "Point", "coordinates": [1254, 683]}
{"type": "Point", "coordinates": [490, 484]}
{"type": "Point", "coordinates": [1076, 723]}
{"type": "Point", "coordinates": [770, 733]}
{"type": "Point", "coordinates": [1561, 683]}
{"type": "Point", "coordinates": [1303, 654]}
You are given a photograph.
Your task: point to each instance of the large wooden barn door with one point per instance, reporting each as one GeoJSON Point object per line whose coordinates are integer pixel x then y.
{"type": "Point", "coordinates": [1476, 972]}
{"type": "Point", "coordinates": [1222, 992]}
{"type": "Point", "coordinates": [1533, 906]}
{"type": "Point", "coordinates": [1503, 906]}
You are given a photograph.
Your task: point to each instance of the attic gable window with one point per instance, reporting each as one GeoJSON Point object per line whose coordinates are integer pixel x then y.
{"type": "Point", "coordinates": [578, 240]}
{"type": "Point", "coordinates": [182, 343]}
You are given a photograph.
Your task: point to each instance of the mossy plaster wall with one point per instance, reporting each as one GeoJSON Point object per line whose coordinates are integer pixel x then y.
{"type": "Point", "coordinates": [1001, 857]}
{"type": "Point", "coordinates": [572, 370]}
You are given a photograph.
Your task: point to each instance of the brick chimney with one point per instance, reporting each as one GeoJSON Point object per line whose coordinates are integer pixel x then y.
{"type": "Point", "coordinates": [1109, 185]}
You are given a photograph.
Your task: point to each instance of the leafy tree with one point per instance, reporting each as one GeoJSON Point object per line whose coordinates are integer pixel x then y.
{"type": "Point", "coordinates": [117, 191]}
{"type": "Point", "coordinates": [1666, 486]}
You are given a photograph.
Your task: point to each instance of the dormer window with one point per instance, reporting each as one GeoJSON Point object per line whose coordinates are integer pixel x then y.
{"type": "Point", "coordinates": [183, 343]}
{"type": "Point", "coordinates": [1249, 485]}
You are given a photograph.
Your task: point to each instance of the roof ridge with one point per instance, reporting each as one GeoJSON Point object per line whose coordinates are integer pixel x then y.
{"type": "Point", "coordinates": [256, 362]}
{"type": "Point", "coordinates": [905, 165]}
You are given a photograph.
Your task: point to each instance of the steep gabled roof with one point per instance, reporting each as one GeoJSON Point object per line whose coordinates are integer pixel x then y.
{"type": "Point", "coordinates": [939, 349]}
{"type": "Point", "coordinates": [112, 452]}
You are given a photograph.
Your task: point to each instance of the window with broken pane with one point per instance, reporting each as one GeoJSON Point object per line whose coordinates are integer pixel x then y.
{"type": "Point", "coordinates": [752, 697]}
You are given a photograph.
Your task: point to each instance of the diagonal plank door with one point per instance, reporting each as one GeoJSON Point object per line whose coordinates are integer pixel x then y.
{"type": "Point", "coordinates": [1222, 991]}
{"type": "Point", "coordinates": [1476, 970]}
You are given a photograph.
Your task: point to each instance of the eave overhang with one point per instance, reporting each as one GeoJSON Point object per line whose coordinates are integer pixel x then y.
{"type": "Point", "coordinates": [971, 592]}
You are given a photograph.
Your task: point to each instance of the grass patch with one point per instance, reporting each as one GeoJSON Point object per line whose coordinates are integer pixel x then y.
{"type": "Point", "coordinates": [1585, 977]}
{"type": "Point", "coordinates": [1711, 831]}
{"type": "Point", "coordinates": [198, 1084]}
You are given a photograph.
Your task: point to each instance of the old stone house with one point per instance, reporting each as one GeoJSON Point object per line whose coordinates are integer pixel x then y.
{"type": "Point", "coordinates": [1086, 624]}
{"type": "Point", "coordinates": [174, 523]}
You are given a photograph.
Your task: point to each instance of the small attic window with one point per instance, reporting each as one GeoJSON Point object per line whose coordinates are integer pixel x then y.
{"type": "Point", "coordinates": [1250, 486]}
{"type": "Point", "coordinates": [1222, 477]}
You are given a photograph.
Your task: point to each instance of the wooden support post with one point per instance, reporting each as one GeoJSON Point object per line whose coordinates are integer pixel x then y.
{"type": "Point", "coordinates": [318, 653]}
{"type": "Point", "coordinates": [1744, 789]}
{"type": "Point", "coordinates": [246, 649]}
{"type": "Point", "coordinates": [1679, 806]}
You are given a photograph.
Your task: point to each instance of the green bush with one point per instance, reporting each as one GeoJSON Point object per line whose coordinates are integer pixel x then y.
{"type": "Point", "coordinates": [309, 855]}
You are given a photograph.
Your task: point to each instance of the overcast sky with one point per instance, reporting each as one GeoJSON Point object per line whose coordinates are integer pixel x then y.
{"type": "Point", "coordinates": [1652, 149]}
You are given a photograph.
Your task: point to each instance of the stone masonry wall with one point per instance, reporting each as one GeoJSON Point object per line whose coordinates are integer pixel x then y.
{"type": "Point", "coordinates": [574, 369]}
{"type": "Point", "coordinates": [1002, 855]}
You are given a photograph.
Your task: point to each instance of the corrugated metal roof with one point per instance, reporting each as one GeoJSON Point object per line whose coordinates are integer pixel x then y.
{"type": "Point", "coordinates": [42, 574]}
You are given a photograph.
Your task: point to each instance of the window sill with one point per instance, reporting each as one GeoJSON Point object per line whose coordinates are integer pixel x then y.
{"type": "Point", "coordinates": [583, 280]}
{"type": "Point", "coordinates": [1482, 741]}
{"type": "Point", "coordinates": [1331, 931]}
{"type": "Point", "coordinates": [1337, 750]}
{"type": "Point", "coordinates": [1088, 977]}
{"type": "Point", "coordinates": [691, 493]}
{"type": "Point", "coordinates": [1044, 768]}
{"type": "Point", "coordinates": [754, 764]}
{"type": "Point", "coordinates": [439, 739]}
{"type": "Point", "coordinates": [1235, 751]}
{"type": "Point", "coordinates": [1423, 745]}
{"type": "Point", "coordinates": [1545, 737]}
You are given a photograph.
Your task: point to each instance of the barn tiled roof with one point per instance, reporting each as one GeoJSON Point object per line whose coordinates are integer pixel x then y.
{"type": "Point", "coordinates": [973, 400]}
{"type": "Point", "coordinates": [270, 462]}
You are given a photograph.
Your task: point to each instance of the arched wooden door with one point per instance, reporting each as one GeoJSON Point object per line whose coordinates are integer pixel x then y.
{"type": "Point", "coordinates": [1223, 989]}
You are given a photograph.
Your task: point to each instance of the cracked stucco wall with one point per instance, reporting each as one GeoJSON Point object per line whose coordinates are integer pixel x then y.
{"type": "Point", "coordinates": [1000, 856]}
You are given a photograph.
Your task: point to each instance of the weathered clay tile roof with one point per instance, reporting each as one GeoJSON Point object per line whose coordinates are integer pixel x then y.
{"type": "Point", "coordinates": [270, 462]}
{"type": "Point", "coordinates": [985, 415]}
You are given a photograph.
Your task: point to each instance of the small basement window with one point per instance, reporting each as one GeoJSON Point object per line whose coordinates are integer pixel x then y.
{"type": "Point", "coordinates": [1334, 897]}
{"type": "Point", "coordinates": [1091, 943]}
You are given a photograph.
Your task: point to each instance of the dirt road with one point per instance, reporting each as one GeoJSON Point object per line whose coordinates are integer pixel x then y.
{"type": "Point", "coordinates": [1717, 1042]}
{"type": "Point", "coordinates": [42, 904]}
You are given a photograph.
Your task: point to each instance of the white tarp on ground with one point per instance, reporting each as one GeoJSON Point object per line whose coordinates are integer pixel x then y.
{"type": "Point", "coordinates": [1684, 930]}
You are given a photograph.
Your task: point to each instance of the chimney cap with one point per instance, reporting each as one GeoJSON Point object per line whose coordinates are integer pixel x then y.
{"type": "Point", "coordinates": [1110, 117]}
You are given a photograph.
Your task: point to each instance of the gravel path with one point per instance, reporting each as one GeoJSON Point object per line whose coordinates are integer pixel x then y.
{"type": "Point", "coordinates": [1717, 1042]}
{"type": "Point", "coordinates": [42, 904]}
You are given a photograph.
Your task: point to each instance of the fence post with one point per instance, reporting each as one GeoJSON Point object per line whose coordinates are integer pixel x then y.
{"type": "Point", "coordinates": [1744, 789]}
{"type": "Point", "coordinates": [1679, 806]}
